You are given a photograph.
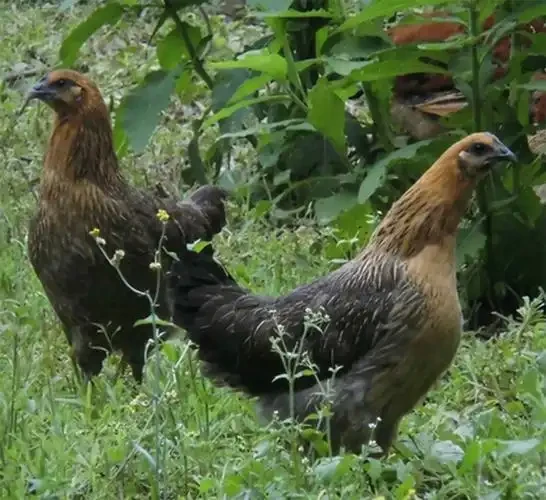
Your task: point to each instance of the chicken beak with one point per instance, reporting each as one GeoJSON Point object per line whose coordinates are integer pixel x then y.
{"type": "Point", "coordinates": [40, 90]}
{"type": "Point", "coordinates": [43, 91]}
{"type": "Point", "coordinates": [507, 155]}
{"type": "Point", "coordinates": [502, 153]}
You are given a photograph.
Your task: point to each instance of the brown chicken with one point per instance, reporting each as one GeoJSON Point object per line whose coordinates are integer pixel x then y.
{"type": "Point", "coordinates": [394, 313]}
{"type": "Point", "coordinates": [82, 188]}
{"type": "Point", "coordinates": [421, 99]}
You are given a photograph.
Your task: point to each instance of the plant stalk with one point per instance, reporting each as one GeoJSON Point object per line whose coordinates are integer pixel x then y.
{"type": "Point", "coordinates": [196, 61]}
{"type": "Point", "coordinates": [481, 190]}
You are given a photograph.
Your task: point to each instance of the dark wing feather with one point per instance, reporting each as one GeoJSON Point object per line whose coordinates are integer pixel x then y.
{"type": "Point", "coordinates": [200, 216]}
{"type": "Point", "coordinates": [234, 329]}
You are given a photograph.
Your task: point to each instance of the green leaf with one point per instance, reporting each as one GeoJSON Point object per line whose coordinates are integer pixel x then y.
{"type": "Point", "coordinates": [171, 49]}
{"type": "Point", "coordinates": [376, 174]}
{"type": "Point", "coordinates": [143, 105]}
{"type": "Point", "coordinates": [327, 209]}
{"type": "Point", "coordinates": [70, 48]}
{"type": "Point", "coordinates": [527, 15]}
{"type": "Point", "coordinates": [272, 64]}
{"type": "Point", "coordinates": [372, 182]}
{"type": "Point", "coordinates": [270, 5]}
{"type": "Point", "coordinates": [470, 243]}
{"type": "Point", "coordinates": [198, 246]}
{"type": "Point", "coordinates": [283, 177]}
{"type": "Point", "coordinates": [330, 467]}
{"type": "Point", "coordinates": [151, 320]}
{"type": "Point", "coordinates": [476, 452]}
{"type": "Point", "coordinates": [446, 452]}
{"type": "Point", "coordinates": [170, 352]}
{"type": "Point", "coordinates": [296, 14]}
{"type": "Point", "coordinates": [519, 447]}
{"type": "Point", "coordinates": [379, 70]}
{"type": "Point", "coordinates": [225, 112]}
{"type": "Point", "coordinates": [251, 86]}
{"type": "Point", "coordinates": [536, 85]}
{"type": "Point", "coordinates": [383, 8]}
{"type": "Point", "coordinates": [121, 142]}
{"type": "Point", "coordinates": [226, 83]}
{"type": "Point", "coordinates": [327, 114]}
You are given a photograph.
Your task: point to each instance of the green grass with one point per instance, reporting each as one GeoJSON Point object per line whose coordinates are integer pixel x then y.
{"type": "Point", "coordinates": [480, 433]}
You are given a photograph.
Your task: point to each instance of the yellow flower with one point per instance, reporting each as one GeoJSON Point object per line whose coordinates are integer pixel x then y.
{"type": "Point", "coordinates": [162, 215]}
{"type": "Point", "coordinates": [95, 232]}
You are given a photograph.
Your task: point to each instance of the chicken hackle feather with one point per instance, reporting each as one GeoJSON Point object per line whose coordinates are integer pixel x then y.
{"type": "Point", "coordinates": [393, 313]}
{"type": "Point", "coordinates": [82, 188]}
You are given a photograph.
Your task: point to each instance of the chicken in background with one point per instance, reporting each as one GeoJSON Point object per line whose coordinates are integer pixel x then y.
{"type": "Point", "coordinates": [82, 188]}
{"type": "Point", "coordinates": [420, 99]}
{"type": "Point", "coordinates": [391, 317]}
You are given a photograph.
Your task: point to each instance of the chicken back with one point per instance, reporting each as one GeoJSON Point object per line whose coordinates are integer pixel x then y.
{"type": "Point", "coordinates": [389, 320]}
{"type": "Point", "coordinates": [81, 189]}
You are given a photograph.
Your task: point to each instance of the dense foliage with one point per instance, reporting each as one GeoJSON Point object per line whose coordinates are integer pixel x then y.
{"type": "Point", "coordinates": [286, 95]}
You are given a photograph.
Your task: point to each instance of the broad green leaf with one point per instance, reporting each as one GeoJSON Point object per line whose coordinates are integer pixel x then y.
{"type": "Point", "coordinates": [446, 452]}
{"type": "Point", "coordinates": [109, 14]}
{"type": "Point", "coordinates": [198, 246]}
{"type": "Point", "coordinates": [536, 85]}
{"type": "Point", "coordinates": [455, 42]}
{"type": "Point", "coordinates": [270, 5]}
{"type": "Point", "coordinates": [519, 447]}
{"type": "Point", "coordinates": [121, 142]}
{"type": "Point", "coordinates": [327, 114]}
{"type": "Point", "coordinates": [228, 111]}
{"type": "Point", "coordinates": [226, 84]}
{"type": "Point", "coordinates": [251, 86]}
{"type": "Point", "coordinates": [327, 209]}
{"type": "Point", "coordinates": [384, 8]}
{"type": "Point", "coordinates": [296, 14]}
{"type": "Point", "coordinates": [171, 49]}
{"type": "Point", "coordinates": [143, 105]}
{"type": "Point", "coordinates": [283, 177]}
{"type": "Point", "coordinates": [378, 171]}
{"type": "Point", "coordinates": [330, 467]}
{"type": "Point", "coordinates": [476, 452]}
{"type": "Point", "coordinates": [532, 12]}
{"type": "Point", "coordinates": [372, 181]}
{"type": "Point", "coordinates": [379, 70]}
{"type": "Point", "coordinates": [470, 242]}
{"type": "Point", "coordinates": [272, 64]}
{"type": "Point", "coordinates": [170, 352]}
{"type": "Point", "coordinates": [306, 63]}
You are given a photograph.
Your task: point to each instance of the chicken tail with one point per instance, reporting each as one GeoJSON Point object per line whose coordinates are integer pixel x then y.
{"type": "Point", "coordinates": [230, 325]}
{"type": "Point", "coordinates": [195, 279]}
{"type": "Point", "coordinates": [210, 199]}
{"type": "Point", "coordinates": [200, 216]}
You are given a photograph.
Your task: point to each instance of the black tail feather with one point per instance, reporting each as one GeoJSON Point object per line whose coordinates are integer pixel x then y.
{"type": "Point", "coordinates": [194, 279]}
{"type": "Point", "coordinates": [211, 201]}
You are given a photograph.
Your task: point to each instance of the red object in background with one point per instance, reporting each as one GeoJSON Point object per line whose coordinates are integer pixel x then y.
{"type": "Point", "coordinates": [424, 83]}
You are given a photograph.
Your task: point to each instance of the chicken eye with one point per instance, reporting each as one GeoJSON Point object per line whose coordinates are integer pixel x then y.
{"type": "Point", "coordinates": [61, 82]}
{"type": "Point", "coordinates": [478, 148]}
